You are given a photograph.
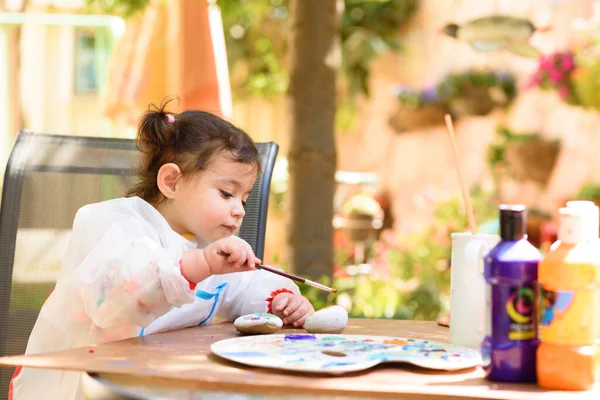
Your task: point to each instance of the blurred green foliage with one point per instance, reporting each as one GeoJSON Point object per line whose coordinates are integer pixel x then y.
{"type": "Point", "coordinates": [256, 32]}
{"type": "Point", "coordinates": [504, 136]}
{"type": "Point", "coordinates": [589, 191]}
{"type": "Point", "coordinates": [410, 275]}
{"type": "Point", "coordinates": [586, 84]}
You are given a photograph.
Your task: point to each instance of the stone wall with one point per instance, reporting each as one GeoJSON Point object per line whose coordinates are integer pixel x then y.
{"type": "Point", "coordinates": [417, 166]}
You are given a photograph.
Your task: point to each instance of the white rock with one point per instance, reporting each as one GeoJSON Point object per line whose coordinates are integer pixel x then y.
{"type": "Point", "coordinates": [327, 320]}
{"type": "Point", "coordinates": [258, 323]}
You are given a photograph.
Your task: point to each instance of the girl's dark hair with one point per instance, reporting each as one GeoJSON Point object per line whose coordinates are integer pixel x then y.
{"type": "Point", "coordinates": [190, 140]}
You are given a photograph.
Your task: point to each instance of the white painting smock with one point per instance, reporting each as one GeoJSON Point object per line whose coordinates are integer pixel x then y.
{"type": "Point", "coordinates": [121, 277]}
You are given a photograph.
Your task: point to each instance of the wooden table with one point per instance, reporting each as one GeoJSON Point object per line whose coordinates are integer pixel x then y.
{"type": "Point", "coordinates": [179, 363]}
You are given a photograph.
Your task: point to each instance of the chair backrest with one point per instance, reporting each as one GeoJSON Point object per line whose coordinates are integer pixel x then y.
{"type": "Point", "coordinates": [47, 179]}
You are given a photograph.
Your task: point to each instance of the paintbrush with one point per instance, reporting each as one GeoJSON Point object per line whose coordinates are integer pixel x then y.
{"type": "Point", "coordinates": [289, 276]}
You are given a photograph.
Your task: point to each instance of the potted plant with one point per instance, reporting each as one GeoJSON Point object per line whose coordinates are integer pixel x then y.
{"type": "Point", "coordinates": [524, 156]}
{"type": "Point", "coordinates": [475, 92]}
{"type": "Point", "coordinates": [362, 217]}
{"type": "Point", "coordinates": [417, 109]}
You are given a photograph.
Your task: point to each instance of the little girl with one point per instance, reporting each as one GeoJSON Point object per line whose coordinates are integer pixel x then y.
{"type": "Point", "coordinates": [152, 262]}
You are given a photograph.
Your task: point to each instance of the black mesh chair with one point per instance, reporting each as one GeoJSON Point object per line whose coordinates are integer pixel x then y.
{"type": "Point", "coordinates": [47, 179]}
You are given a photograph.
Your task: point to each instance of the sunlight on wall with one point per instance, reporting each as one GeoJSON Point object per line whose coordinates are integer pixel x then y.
{"type": "Point", "coordinates": [5, 112]}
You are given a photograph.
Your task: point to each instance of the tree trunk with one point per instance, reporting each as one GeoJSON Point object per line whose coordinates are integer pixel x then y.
{"type": "Point", "coordinates": [314, 50]}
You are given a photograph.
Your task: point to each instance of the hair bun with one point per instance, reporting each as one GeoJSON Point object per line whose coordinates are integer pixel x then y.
{"type": "Point", "coordinates": [156, 129]}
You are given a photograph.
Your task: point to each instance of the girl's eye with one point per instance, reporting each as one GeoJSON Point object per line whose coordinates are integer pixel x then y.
{"type": "Point", "coordinates": [244, 203]}
{"type": "Point", "coordinates": [226, 194]}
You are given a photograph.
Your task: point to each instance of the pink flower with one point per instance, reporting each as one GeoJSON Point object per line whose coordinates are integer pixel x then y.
{"type": "Point", "coordinates": [545, 63]}
{"type": "Point", "coordinates": [568, 63]}
{"type": "Point", "coordinates": [555, 76]}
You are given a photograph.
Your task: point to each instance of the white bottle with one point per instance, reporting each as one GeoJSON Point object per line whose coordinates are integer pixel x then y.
{"type": "Point", "coordinates": [592, 215]}
{"type": "Point", "coordinates": [467, 287]}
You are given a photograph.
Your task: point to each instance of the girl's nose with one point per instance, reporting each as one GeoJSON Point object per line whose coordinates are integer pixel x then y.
{"type": "Point", "coordinates": [238, 211]}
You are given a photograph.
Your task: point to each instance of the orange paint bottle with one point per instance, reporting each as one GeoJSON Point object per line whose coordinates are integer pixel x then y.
{"type": "Point", "coordinates": [567, 357]}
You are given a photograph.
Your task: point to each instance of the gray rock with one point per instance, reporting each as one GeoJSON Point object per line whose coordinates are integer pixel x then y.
{"type": "Point", "coordinates": [261, 323]}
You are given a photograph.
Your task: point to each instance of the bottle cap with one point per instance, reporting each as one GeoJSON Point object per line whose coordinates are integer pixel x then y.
{"type": "Point", "coordinates": [574, 225]}
{"type": "Point", "coordinates": [592, 212]}
{"type": "Point", "coordinates": [513, 221]}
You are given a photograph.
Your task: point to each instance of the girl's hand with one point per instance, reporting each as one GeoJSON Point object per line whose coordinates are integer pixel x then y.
{"type": "Point", "coordinates": [293, 309]}
{"type": "Point", "coordinates": [230, 254]}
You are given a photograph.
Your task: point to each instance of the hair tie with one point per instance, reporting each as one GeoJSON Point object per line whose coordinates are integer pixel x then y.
{"type": "Point", "coordinates": [170, 118]}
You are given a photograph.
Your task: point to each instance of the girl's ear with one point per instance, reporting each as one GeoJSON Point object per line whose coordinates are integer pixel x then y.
{"type": "Point", "coordinates": [167, 178]}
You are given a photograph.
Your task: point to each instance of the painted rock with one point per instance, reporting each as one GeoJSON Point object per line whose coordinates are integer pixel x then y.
{"type": "Point", "coordinates": [258, 323]}
{"type": "Point", "coordinates": [327, 320]}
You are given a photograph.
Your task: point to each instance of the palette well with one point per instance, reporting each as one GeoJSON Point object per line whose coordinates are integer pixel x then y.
{"type": "Point", "coordinates": [339, 354]}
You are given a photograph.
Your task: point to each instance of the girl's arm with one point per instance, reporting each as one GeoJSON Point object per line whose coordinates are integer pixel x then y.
{"type": "Point", "coordinates": [128, 276]}
{"type": "Point", "coordinates": [252, 292]}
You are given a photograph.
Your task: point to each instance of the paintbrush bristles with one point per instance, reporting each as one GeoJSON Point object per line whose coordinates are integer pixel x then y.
{"type": "Point", "coordinates": [319, 286]}
{"type": "Point", "coordinates": [463, 187]}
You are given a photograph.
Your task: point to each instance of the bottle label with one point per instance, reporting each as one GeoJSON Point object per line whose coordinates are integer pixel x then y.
{"type": "Point", "coordinates": [520, 308]}
{"type": "Point", "coordinates": [569, 317]}
{"type": "Point", "coordinates": [512, 312]}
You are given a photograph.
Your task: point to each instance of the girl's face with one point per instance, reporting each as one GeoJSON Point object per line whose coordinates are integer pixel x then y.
{"type": "Point", "coordinates": [210, 204]}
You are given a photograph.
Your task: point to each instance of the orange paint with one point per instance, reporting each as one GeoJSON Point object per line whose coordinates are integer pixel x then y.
{"type": "Point", "coordinates": [567, 357]}
{"type": "Point", "coordinates": [567, 367]}
{"type": "Point", "coordinates": [396, 342]}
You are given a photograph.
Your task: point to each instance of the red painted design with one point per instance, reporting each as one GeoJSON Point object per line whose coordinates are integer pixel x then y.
{"type": "Point", "coordinates": [272, 296]}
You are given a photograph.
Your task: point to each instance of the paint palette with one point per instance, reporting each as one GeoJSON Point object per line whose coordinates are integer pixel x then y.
{"type": "Point", "coordinates": [339, 354]}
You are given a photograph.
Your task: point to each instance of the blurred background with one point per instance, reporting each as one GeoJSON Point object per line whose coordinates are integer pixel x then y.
{"type": "Point", "coordinates": [521, 79]}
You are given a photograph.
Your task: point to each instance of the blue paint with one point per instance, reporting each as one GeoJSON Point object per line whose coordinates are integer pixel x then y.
{"type": "Point", "coordinates": [298, 360]}
{"type": "Point", "coordinates": [337, 364]}
{"type": "Point", "coordinates": [201, 294]}
{"type": "Point", "coordinates": [296, 351]}
{"type": "Point", "coordinates": [207, 296]}
{"type": "Point", "coordinates": [120, 363]}
{"type": "Point", "coordinates": [300, 337]}
{"type": "Point", "coordinates": [245, 354]}
{"type": "Point", "coordinates": [379, 356]}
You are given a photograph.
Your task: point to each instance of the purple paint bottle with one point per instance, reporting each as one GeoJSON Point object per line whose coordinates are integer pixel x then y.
{"type": "Point", "coordinates": [511, 273]}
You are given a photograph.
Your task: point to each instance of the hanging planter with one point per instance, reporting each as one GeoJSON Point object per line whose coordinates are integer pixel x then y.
{"type": "Point", "coordinates": [476, 93]}
{"type": "Point", "coordinates": [362, 218]}
{"type": "Point", "coordinates": [417, 109]}
{"type": "Point", "coordinates": [524, 156]}
{"type": "Point", "coordinates": [533, 160]}
{"type": "Point", "coordinates": [475, 101]}
{"type": "Point", "coordinates": [407, 119]}
{"type": "Point", "coordinates": [470, 93]}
